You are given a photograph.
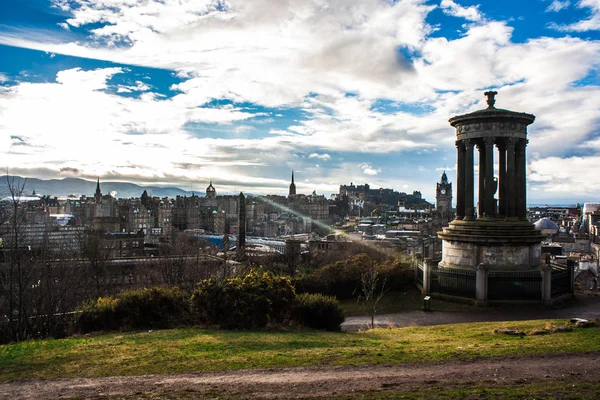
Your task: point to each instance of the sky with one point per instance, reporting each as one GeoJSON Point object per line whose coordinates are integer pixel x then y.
{"type": "Point", "coordinates": [181, 92]}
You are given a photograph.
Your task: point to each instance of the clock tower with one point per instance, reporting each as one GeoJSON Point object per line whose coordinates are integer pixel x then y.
{"type": "Point", "coordinates": [443, 196]}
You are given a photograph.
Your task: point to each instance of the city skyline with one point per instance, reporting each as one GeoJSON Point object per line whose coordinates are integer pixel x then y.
{"type": "Point", "coordinates": [181, 93]}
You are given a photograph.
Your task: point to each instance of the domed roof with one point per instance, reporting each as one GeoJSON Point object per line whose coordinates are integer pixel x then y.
{"type": "Point", "coordinates": [210, 188]}
{"type": "Point", "coordinates": [492, 114]}
{"type": "Point", "coordinates": [546, 224]}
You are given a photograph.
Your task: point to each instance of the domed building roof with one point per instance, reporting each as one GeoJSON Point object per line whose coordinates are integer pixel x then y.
{"type": "Point", "coordinates": [547, 226]}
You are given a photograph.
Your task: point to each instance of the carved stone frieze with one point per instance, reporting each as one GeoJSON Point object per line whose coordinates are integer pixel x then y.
{"type": "Point", "coordinates": [491, 126]}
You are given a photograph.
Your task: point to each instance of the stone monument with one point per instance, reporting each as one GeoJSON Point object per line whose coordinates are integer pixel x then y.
{"type": "Point", "coordinates": [491, 235]}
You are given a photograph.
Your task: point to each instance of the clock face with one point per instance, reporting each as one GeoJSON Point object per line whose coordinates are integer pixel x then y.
{"type": "Point", "coordinates": [443, 191]}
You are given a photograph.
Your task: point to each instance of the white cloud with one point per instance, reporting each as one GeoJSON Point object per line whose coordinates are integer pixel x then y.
{"type": "Point", "coordinates": [368, 169]}
{"type": "Point", "coordinates": [566, 177]}
{"type": "Point", "coordinates": [78, 123]}
{"type": "Point", "coordinates": [591, 23]}
{"type": "Point", "coordinates": [324, 157]}
{"type": "Point", "coordinates": [85, 81]}
{"type": "Point", "coordinates": [558, 5]}
{"type": "Point", "coordinates": [346, 46]}
{"type": "Point", "coordinates": [471, 13]}
{"type": "Point", "coordinates": [139, 87]}
{"type": "Point", "coordinates": [3, 78]}
{"type": "Point", "coordinates": [332, 61]}
{"type": "Point", "coordinates": [446, 169]}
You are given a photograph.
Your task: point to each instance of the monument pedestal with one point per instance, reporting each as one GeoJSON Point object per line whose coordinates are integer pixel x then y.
{"type": "Point", "coordinates": [496, 244]}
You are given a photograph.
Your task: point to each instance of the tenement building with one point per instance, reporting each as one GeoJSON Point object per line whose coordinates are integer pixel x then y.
{"type": "Point", "coordinates": [491, 251]}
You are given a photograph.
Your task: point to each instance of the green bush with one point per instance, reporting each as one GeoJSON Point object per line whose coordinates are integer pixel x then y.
{"type": "Point", "coordinates": [98, 315]}
{"type": "Point", "coordinates": [398, 275]}
{"type": "Point", "coordinates": [342, 279]}
{"type": "Point", "coordinates": [318, 312]}
{"type": "Point", "coordinates": [155, 307]}
{"type": "Point", "coordinates": [310, 284]}
{"type": "Point", "coordinates": [249, 301]}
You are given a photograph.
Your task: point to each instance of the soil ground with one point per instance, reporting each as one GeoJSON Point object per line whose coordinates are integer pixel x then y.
{"type": "Point", "coordinates": [344, 382]}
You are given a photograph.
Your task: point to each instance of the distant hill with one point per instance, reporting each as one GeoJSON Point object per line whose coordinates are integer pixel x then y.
{"type": "Point", "coordinates": [68, 186]}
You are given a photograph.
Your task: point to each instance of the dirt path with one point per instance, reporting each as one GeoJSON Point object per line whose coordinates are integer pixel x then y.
{"type": "Point", "coordinates": [319, 382]}
{"type": "Point", "coordinates": [587, 307]}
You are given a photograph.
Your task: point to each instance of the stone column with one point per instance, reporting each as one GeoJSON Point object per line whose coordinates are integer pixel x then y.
{"type": "Point", "coordinates": [482, 173]}
{"type": "Point", "coordinates": [426, 276]}
{"type": "Point", "coordinates": [469, 178]}
{"type": "Point", "coordinates": [460, 180]}
{"type": "Point", "coordinates": [521, 172]}
{"type": "Point", "coordinates": [571, 269]}
{"type": "Point", "coordinates": [510, 178]}
{"type": "Point", "coordinates": [481, 283]}
{"type": "Point", "coordinates": [501, 178]}
{"type": "Point", "coordinates": [489, 206]}
{"type": "Point", "coordinates": [546, 272]}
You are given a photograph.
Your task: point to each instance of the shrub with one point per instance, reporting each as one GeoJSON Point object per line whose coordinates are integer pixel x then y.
{"type": "Point", "coordinates": [98, 315]}
{"type": "Point", "coordinates": [155, 307]}
{"type": "Point", "coordinates": [318, 312]}
{"type": "Point", "coordinates": [249, 301]}
{"type": "Point", "coordinates": [310, 284]}
{"type": "Point", "coordinates": [343, 278]}
{"type": "Point", "coordinates": [398, 275]}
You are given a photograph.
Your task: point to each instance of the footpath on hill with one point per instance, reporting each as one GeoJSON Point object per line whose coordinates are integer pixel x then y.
{"type": "Point", "coordinates": [569, 371]}
{"type": "Point", "coordinates": [587, 307]}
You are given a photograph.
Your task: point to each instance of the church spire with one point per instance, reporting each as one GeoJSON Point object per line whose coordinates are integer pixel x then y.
{"type": "Point", "coordinates": [292, 186]}
{"type": "Point", "coordinates": [98, 194]}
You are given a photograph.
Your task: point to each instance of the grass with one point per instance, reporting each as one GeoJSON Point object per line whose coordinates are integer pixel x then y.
{"type": "Point", "coordinates": [409, 300]}
{"type": "Point", "coordinates": [186, 350]}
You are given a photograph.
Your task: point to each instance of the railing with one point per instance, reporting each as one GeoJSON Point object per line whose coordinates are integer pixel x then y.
{"type": "Point", "coordinates": [501, 285]}
{"type": "Point", "coordinates": [419, 274]}
{"type": "Point", "coordinates": [515, 285]}
{"type": "Point", "coordinates": [562, 279]}
{"type": "Point", "coordinates": [456, 282]}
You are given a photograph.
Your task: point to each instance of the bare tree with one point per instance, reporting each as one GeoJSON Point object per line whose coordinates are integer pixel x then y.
{"type": "Point", "coordinates": [373, 287]}
{"type": "Point", "coordinates": [40, 276]}
{"type": "Point", "coordinates": [15, 277]}
{"type": "Point", "coordinates": [183, 262]}
{"type": "Point", "coordinates": [59, 286]}
{"type": "Point", "coordinates": [97, 252]}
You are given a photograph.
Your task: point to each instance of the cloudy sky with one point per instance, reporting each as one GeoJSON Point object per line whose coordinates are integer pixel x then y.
{"type": "Point", "coordinates": [243, 92]}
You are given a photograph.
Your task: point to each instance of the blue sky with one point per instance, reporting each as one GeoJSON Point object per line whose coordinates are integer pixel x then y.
{"type": "Point", "coordinates": [242, 93]}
